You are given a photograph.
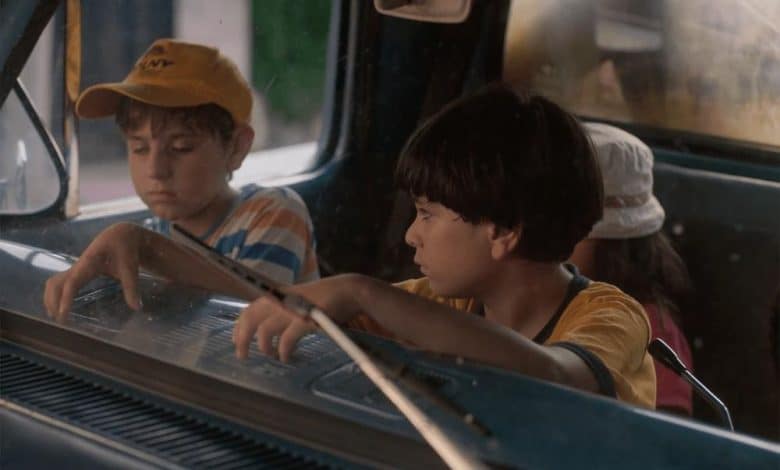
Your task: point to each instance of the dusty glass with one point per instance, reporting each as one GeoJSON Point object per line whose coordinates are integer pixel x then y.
{"type": "Point", "coordinates": [28, 180]}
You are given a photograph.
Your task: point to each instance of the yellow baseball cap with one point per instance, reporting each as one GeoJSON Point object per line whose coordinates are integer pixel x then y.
{"type": "Point", "coordinates": [174, 74]}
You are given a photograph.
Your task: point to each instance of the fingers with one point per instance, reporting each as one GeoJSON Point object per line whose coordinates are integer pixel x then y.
{"type": "Point", "coordinates": [113, 252]}
{"type": "Point", "coordinates": [52, 294]}
{"type": "Point", "coordinates": [287, 341]}
{"type": "Point", "coordinates": [246, 326]}
{"type": "Point", "coordinates": [71, 281]}
{"type": "Point", "coordinates": [273, 325]}
{"type": "Point", "coordinates": [265, 319]}
{"type": "Point", "coordinates": [122, 264]}
{"type": "Point", "coordinates": [127, 272]}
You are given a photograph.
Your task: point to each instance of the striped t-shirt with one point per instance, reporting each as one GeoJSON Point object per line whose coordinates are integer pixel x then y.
{"type": "Point", "coordinates": [268, 230]}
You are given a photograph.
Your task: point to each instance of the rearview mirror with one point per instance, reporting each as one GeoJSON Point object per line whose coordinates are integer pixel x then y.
{"type": "Point", "coordinates": [435, 11]}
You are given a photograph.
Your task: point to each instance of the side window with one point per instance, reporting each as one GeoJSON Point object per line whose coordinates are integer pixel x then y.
{"type": "Point", "coordinates": [278, 45]}
{"type": "Point", "coordinates": [289, 41]}
{"type": "Point", "coordinates": [29, 181]}
{"type": "Point", "coordinates": [705, 67]}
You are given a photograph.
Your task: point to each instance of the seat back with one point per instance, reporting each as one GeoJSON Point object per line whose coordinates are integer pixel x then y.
{"type": "Point", "coordinates": [728, 231]}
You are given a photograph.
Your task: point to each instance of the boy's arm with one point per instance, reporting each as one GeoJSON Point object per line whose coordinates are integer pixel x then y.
{"type": "Point", "coordinates": [441, 328]}
{"type": "Point", "coordinates": [119, 251]}
{"type": "Point", "coordinates": [162, 256]}
{"type": "Point", "coordinates": [425, 323]}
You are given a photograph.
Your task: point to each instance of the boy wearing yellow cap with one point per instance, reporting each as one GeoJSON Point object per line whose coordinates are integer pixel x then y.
{"type": "Point", "coordinates": [184, 112]}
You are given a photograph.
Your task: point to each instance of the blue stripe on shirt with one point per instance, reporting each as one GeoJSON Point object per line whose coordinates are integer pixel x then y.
{"type": "Point", "coordinates": [263, 251]}
{"type": "Point", "coordinates": [225, 245]}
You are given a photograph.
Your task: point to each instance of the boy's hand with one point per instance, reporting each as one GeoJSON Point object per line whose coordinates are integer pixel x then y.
{"type": "Point", "coordinates": [115, 253]}
{"type": "Point", "coordinates": [267, 318]}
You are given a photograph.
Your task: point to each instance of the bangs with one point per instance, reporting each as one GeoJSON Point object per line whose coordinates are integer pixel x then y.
{"type": "Point", "coordinates": [427, 169]}
{"type": "Point", "coordinates": [456, 161]}
{"type": "Point", "coordinates": [422, 172]}
{"type": "Point", "coordinates": [208, 118]}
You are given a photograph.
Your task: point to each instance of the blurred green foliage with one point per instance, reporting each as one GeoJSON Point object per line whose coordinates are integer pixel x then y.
{"type": "Point", "coordinates": [288, 60]}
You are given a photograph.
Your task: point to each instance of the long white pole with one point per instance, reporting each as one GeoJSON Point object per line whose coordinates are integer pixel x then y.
{"type": "Point", "coordinates": [452, 454]}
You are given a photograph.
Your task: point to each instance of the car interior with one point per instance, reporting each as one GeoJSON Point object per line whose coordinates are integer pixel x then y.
{"type": "Point", "coordinates": [387, 66]}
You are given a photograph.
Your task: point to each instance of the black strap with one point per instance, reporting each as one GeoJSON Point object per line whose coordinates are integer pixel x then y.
{"type": "Point", "coordinates": [576, 285]}
{"type": "Point", "coordinates": [603, 377]}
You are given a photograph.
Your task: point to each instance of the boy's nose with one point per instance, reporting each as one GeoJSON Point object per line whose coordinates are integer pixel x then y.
{"type": "Point", "coordinates": [411, 237]}
{"type": "Point", "coordinates": [159, 166]}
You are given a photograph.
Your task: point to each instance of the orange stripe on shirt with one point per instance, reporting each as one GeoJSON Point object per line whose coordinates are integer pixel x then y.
{"type": "Point", "coordinates": [280, 218]}
{"type": "Point", "coordinates": [286, 219]}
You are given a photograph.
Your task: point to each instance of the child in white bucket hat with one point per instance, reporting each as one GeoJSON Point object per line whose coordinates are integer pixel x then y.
{"type": "Point", "coordinates": [627, 248]}
{"type": "Point", "coordinates": [630, 208]}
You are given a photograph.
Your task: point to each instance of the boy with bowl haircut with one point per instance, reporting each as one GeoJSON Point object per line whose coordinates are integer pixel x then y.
{"type": "Point", "coordinates": [504, 186]}
{"type": "Point", "coordinates": [184, 111]}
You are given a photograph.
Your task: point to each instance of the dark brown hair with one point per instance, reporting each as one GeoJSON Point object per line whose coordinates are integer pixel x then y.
{"type": "Point", "coordinates": [512, 160]}
{"type": "Point", "coordinates": [210, 118]}
{"type": "Point", "coordinates": [646, 268]}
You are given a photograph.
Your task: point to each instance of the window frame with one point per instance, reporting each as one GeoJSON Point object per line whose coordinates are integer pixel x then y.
{"type": "Point", "coordinates": [705, 151]}
{"type": "Point", "coordinates": [56, 208]}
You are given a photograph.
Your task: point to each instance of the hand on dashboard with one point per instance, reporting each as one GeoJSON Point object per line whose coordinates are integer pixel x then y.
{"type": "Point", "coordinates": [266, 317]}
{"type": "Point", "coordinates": [114, 252]}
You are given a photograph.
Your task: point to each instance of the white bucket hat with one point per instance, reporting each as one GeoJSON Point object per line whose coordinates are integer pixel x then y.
{"type": "Point", "coordinates": [630, 208]}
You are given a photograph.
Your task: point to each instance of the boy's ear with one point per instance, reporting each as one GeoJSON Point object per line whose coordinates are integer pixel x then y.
{"type": "Point", "coordinates": [503, 241]}
{"type": "Point", "coordinates": [242, 143]}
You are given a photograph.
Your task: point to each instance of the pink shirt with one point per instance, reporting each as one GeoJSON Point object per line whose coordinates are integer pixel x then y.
{"type": "Point", "coordinates": [671, 390]}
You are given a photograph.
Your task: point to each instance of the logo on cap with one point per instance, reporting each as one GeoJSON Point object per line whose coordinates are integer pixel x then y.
{"type": "Point", "coordinates": [149, 63]}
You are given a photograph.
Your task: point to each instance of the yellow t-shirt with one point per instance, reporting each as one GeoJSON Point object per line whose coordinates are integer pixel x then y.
{"type": "Point", "coordinates": [600, 319]}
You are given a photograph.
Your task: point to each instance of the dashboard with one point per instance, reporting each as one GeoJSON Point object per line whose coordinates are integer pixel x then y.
{"type": "Point", "coordinates": [148, 373]}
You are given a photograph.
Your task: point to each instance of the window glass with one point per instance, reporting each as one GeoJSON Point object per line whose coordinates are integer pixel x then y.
{"type": "Point", "coordinates": [28, 180]}
{"type": "Point", "coordinates": [708, 67]}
